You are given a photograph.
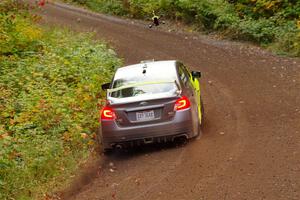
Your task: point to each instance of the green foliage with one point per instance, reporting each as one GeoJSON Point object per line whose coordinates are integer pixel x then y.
{"type": "Point", "coordinates": [209, 14]}
{"type": "Point", "coordinates": [288, 9]}
{"type": "Point", "coordinates": [17, 36]}
{"type": "Point", "coordinates": [269, 21]}
{"type": "Point", "coordinates": [16, 33]}
{"type": "Point", "coordinates": [49, 91]}
{"type": "Point", "coordinates": [288, 40]}
{"type": "Point", "coordinates": [266, 22]}
{"type": "Point", "coordinates": [115, 7]}
{"type": "Point", "coordinates": [261, 30]}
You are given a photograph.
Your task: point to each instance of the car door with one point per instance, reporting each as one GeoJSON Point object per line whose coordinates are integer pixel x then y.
{"type": "Point", "coordinates": [191, 94]}
{"type": "Point", "coordinates": [196, 86]}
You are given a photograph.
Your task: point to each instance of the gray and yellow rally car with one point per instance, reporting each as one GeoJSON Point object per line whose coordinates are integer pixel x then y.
{"type": "Point", "coordinates": [151, 102]}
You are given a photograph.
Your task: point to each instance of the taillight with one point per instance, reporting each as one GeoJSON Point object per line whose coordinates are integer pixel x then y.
{"type": "Point", "coordinates": [182, 103]}
{"type": "Point", "coordinates": [108, 113]}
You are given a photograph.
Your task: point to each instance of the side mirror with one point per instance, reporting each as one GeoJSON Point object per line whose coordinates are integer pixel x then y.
{"type": "Point", "coordinates": [196, 74]}
{"type": "Point", "coordinates": [105, 86]}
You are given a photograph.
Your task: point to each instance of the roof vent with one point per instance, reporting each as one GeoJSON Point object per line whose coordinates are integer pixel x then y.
{"type": "Point", "coordinates": [144, 69]}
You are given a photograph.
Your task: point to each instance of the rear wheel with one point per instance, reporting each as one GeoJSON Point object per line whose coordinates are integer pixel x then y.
{"type": "Point", "coordinates": [101, 146]}
{"type": "Point", "coordinates": [107, 151]}
{"type": "Point", "coordinates": [202, 112]}
{"type": "Point", "coordinates": [200, 123]}
{"type": "Point", "coordinates": [198, 131]}
{"type": "Point", "coordinates": [198, 136]}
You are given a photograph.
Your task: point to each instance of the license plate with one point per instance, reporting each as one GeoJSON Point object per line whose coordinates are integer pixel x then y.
{"type": "Point", "coordinates": [145, 116]}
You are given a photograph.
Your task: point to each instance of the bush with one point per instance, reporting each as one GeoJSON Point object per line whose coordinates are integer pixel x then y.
{"type": "Point", "coordinates": [114, 7]}
{"type": "Point", "coordinates": [261, 31]}
{"type": "Point", "coordinates": [287, 40]}
{"type": "Point", "coordinates": [49, 90]}
{"type": "Point", "coordinates": [16, 33]}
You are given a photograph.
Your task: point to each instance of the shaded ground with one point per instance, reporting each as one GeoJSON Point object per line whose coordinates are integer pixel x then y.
{"type": "Point", "coordinates": [251, 142]}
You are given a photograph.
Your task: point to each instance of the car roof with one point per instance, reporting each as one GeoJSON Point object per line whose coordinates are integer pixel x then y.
{"type": "Point", "coordinates": [162, 69]}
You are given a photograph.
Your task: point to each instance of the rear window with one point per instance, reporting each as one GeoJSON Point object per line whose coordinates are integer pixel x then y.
{"type": "Point", "coordinates": [132, 82]}
{"type": "Point", "coordinates": [146, 88]}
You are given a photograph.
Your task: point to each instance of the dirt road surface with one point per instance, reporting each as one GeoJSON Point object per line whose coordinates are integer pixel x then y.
{"type": "Point", "coordinates": [250, 148]}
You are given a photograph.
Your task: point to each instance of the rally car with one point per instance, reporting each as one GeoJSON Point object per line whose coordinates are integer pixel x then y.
{"type": "Point", "coordinates": [149, 102]}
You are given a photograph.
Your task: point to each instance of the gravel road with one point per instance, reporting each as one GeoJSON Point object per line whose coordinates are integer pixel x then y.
{"type": "Point", "coordinates": [250, 148]}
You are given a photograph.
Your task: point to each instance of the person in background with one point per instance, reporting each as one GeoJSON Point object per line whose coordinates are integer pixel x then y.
{"type": "Point", "coordinates": [155, 20]}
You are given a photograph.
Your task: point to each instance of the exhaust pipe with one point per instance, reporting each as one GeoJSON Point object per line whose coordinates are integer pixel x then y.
{"type": "Point", "coordinates": [119, 146]}
{"type": "Point", "coordinates": [180, 139]}
{"type": "Point", "coordinates": [148, 140]}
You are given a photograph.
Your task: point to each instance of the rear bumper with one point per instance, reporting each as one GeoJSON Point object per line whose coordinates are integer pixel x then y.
{"type": "Point", "coordinates": [113, 134]}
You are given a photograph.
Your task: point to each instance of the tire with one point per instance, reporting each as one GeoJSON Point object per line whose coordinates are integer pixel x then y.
{"type": "Point", "coordinates": [202, 112]}
{"type": "Point", "coordinates": [107, 152]}
{"type": "Point", "coordinates": [199, 131]}
{"type": "Point", "coordinates": [102, 149]}
{"type": "Point", "coordinates": [200, 124]}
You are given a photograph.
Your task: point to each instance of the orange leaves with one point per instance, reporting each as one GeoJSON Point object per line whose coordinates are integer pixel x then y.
{"type": "Point", "coordinates": [14, 154]}
{"type": "Point", "coordinates": [4, 136]}
{"type": "Point", "coordinates": [42, 105]}
{"type": "Point", "coordinates": [84, 135]}
{"type": "Point", "coordinates": [11, 121]}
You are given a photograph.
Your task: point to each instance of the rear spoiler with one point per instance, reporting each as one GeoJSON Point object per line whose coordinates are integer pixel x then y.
{"type": "Point", "coordinates": [118, 101]}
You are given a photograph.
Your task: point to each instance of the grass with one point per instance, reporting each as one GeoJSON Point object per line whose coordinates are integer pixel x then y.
{"type": "Point", "coordinates": [49, 92]}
